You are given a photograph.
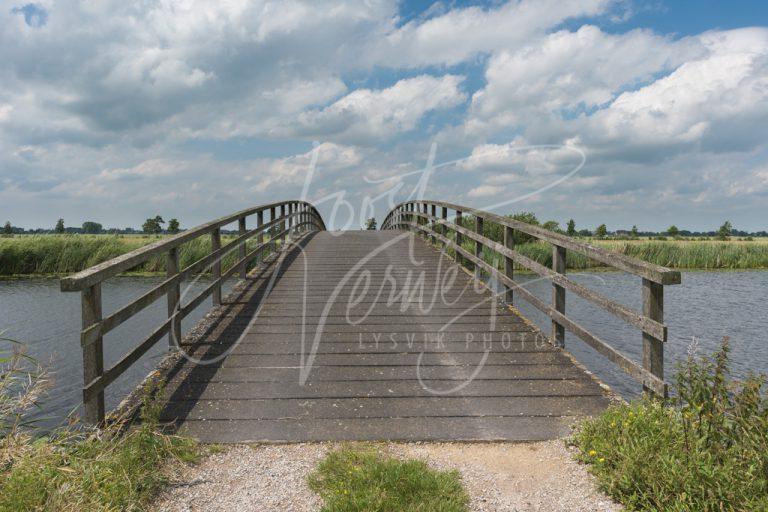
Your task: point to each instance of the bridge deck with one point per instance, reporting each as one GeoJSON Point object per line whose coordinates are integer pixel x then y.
{"type": "Point", "coordinates": [444, 363]}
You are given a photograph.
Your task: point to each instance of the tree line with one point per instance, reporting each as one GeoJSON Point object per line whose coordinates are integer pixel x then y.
{"type": "Point", "coordinates": [156, 225]}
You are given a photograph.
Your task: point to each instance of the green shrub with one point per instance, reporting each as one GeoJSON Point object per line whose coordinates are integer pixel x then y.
{"type": "Point", "coordinates": [706, 449]}
{"type": "Point", "coordinates": [364, 480]}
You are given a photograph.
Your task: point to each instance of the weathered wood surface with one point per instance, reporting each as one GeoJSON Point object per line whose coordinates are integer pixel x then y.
{"type": "Point", "coordinates": [421, 354]}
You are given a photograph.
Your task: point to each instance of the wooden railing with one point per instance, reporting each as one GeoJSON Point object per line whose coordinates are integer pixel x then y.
{"type": "Point", "coordinates": [294, 218]}
{"type": "Point", "coordinates": [421, 216]}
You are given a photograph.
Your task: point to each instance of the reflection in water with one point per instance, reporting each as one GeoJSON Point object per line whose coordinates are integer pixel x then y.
{"type": "Point", "coordinates": [706, 307]}
{"type": "Point", "coordinates": [47, 321]}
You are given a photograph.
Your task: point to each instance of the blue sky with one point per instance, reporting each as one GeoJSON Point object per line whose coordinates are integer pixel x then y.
{"type": "Point", "coordinates": [616, 111]}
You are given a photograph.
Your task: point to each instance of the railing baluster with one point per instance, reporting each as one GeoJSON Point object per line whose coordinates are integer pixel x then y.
{"type": "Point", "coordinates": [174, 296]}
{"type": "Point", "coordinates": [216, 267]}
{"type": "Point", "coordinates": [558, 295]}
{"type": "Point", "coordinates": [444, 228]}
{"type": "Point", "coordinates": [241, 251]}
{"type": "Point", "coordinates": [283, 227]}
{"type": "Point", "coordinates": [478, 246]}
{"type": "Point", "coordinates": [653, 308]}
{"type": "Point", "coordinates": [432, 224]}
{"type": "Point", "coordinates": [457, 220]}
{"type": "Point", "coordinates": [509, 268]}
{"type": "Point", "coordinates": [93, 354]}
{"type": "Point", "coordinates": [260, 236]}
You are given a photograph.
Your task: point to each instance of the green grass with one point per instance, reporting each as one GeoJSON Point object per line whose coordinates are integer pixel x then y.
{"type": "Point", "coordinates": [77, 469]}
{"type": "Point", "coordinates": [704, 450]}
{"type": "Point", "coordinates": [66, 254]}
{"type": "Point", "coordinates": [704, 255]}
{"type": "Point", "coordinates": [362, 479]}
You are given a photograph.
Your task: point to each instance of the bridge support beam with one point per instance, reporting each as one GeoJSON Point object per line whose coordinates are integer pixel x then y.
{"type": "Point", "coordinates": [93, 355]}
{"type": "Point", "coordinates": [558, 295]}
{"type": "Point", "coordinates": [174, 297]}
{"type": "Point", "coordinates": [241, 249]}
{"type": "Point", "coordinates": [216, 267]}
{"type": "Point", "coordinates": [457, 220]}
{"type": "Point", "coordinates": [478, 246]}
{"type": "Point", "coordinates": [509, 269]}
{"type": "Point", "coordinates": [653, 348]}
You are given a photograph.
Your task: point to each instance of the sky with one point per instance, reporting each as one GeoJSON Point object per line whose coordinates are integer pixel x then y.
{"type": "Point", "coordinates": [624, 112]}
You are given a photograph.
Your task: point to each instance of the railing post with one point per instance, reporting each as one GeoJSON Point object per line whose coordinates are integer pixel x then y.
{"type": "Point", "coordinates": [93, 354]}
{"type": "Point", "coordinates": [653, 308]}
{"type": "Point", "coordinates": [216, 267]}
{"type": "Point", "coordinates": [433, 224]}
{"type": "Point", "coordinates": [478, 246]}
{"type": "Point", "coordinates": [174, 296]}
{"type": "Point", "coordinates": [283, 227]}
{"type": "Point", "coordinates": [260, 237]}
{"type": "Point", "coordinates": [558, 295]}
{"type": "Point", "coordinates": [274, 228]}
{"type": "Point", "coordinates": [444, 228]}
{"type": "Point", "coordinates": [241, 250]}
{"type": "Point", "coordinates": [459, 259]}
{"type": "Point", "coordinates": [509, 268]}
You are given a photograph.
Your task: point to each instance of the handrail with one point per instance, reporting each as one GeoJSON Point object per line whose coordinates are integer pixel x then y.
{"type": "Point", "coordinates": [414, 215]}
{"type": "Point", "coordinates": [294, 218]}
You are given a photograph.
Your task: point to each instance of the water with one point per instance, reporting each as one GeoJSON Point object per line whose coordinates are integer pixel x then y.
{"type": "Point", "coordinates": [707, 306]}
{"type": "Point", "coordinates": [47, 321]}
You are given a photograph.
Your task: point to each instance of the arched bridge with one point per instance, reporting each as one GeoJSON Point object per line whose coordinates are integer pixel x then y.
{"type": "Point", "coordinates": [406, 333]}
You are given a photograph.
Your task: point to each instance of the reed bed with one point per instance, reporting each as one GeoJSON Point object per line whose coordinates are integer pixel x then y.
{"type": "Point", "coordinates": [66, 254]}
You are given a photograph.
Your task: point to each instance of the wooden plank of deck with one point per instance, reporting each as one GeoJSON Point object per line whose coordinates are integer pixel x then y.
{"type": "Point", "coordinates": [446, 363]}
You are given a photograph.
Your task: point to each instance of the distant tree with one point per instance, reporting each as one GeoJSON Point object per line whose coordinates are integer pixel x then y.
{"type": "Point", "coordinates": [59, 226]}
{"type": "Point", "coordinates": [571, 229]}
{"type": "Point", "coordinates": [91, 227]}
{"type": "Point", "coordinates": [153, 226]}
{"type": "Point", "coordinates": [8, 229]}
{"type": "Point", "coordinates": [552, 225]}
{"type": "Point", "coordinates": [634, 232]}
{"type": "Point", "coordinates": [673, 231]}
{"type": "Point", "coordinates": [585, 232]}
{"type": "Point", "coordinates": [528, 218]}
{"type": "Point", "coordinates": [173, 226]}
{"type": "Point", "coordinates": [601, 231]}
{"type": "Point", "coordinates": [725, 230]}
{"type": "Point", "coordinates": [370, 224]}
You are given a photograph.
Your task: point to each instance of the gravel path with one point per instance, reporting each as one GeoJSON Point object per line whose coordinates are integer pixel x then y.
{"type": "Point", "coordinates": [498, 476]}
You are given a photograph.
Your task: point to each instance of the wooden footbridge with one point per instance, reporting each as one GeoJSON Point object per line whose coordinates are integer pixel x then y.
{"type": "Point", "coordinates": [407, 333]}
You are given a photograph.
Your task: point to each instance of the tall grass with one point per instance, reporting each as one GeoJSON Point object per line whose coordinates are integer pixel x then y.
{"type": "Point", "coordinates": [675, 254]}
{"type": "Point", "coordinates": [66, 254]}
{"type": "Point", "coordinates": [114, 468]}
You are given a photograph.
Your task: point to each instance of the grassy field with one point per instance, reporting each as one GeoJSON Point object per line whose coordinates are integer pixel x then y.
{"type": "Point", "coordinates": [65, 254]}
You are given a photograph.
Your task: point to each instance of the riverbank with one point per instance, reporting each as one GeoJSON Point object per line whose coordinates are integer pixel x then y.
{"type": "Point", "coordinates": [57, 255]}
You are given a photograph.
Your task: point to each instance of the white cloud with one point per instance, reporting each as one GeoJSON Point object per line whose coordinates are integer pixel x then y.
{"type": "Point", "coordinates": [366, 115]}
{"type": "Point", "coordinates": [569, 72]}
{"type": "Point", "coordinates": [459, 34]}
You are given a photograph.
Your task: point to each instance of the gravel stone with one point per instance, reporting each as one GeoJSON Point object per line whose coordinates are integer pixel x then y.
{"type": "Point", "coordinates": [499, 477]}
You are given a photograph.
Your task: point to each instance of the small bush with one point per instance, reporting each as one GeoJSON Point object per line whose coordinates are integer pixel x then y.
{"type": "Point", "coordinates": [362, 479]}
{"type": "Point", "coordinates": [706, 449]}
